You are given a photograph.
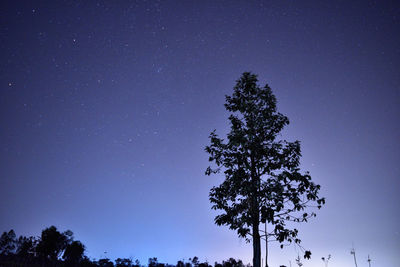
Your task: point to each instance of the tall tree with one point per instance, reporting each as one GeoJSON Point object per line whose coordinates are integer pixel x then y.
{"type": "Point", "coordinates": [263, 183]}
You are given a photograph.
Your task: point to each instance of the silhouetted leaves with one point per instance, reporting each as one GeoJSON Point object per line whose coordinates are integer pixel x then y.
{"type": "Point", "coordinates": [307, 254]}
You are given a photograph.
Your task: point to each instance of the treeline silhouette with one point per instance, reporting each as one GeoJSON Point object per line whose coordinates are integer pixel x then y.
{"type": "Point", "coordinates": [54, 248]}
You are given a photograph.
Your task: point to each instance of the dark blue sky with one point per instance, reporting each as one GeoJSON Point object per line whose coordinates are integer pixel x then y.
{"type": "Point", "coordinates": [106, 108]}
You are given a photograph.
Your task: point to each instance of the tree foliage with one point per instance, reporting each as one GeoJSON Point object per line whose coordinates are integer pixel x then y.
{"type": "Point", "coordinates": [53, 243]}
{"type": "Point", "coordinates": [7, 242]}
{"type": "Point", "coordinates": [74, 252]}
{"type": "Point", "coordinates": [263, 181]}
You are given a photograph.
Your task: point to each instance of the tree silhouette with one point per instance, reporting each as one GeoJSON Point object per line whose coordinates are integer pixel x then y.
{"type": "Point", "coordinates": [180, 264]}
{"type": "Point", "coordinates": [195, 261]}
{"type": "Point", "coordinates": [123, 262]}
{"type": "Point", "coordinates": [231, 262]}
{"type": "Point", "coordinates": [105, 263]}
{"type": "Point", "coordinates": [262, 182]}
{"type": "Point", "coordinates": [26, 247]}
{"type": "Point", "coordinates": [73, 253]}
{"type": "Point", "coordinates": [7, 242]}
{"type": "Point", "coordinates": [153, 262]}
{"type": "Point", "coordinates": [52, 243]}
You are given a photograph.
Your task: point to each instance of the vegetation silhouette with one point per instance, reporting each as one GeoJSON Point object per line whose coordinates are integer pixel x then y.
{"type": "Point", "coordinates": [53, 243]}
{"type": "Point", "coordinates": [263, 182]}
{"type": "Point", "coordinates": [54, 248]}
{"type": "Point", "coordinates": [73, 253]}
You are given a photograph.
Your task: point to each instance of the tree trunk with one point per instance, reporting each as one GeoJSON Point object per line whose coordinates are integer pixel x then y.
{"type": "Point", "coordinates": [256, 246]}
{"type": "Point", "coordinates": [255, 215]}
{"type": "Point", "coordinates": [266, 245]}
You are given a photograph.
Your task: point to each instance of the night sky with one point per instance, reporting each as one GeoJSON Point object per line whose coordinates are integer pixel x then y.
{"type": "Point", "coordinates": [106, 107]}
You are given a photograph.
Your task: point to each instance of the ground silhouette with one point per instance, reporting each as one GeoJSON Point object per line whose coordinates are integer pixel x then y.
{"type": "Point", "coordinates": [54, 248]}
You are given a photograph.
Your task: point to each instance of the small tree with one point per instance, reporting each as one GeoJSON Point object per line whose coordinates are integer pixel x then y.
{"type": "Point", "coordinates": [263, 183]}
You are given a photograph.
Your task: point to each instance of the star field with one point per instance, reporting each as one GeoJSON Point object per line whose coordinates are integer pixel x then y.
{"type": "Point", "coordinates": [106, 107]}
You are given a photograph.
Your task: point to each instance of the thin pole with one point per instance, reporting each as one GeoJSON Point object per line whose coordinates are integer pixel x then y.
{"type": "Point", "coordinates": [353, 252]}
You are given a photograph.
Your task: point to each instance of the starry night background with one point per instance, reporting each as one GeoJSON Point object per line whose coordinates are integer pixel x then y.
{"type": "Point", "coordinates": [106, 107]}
